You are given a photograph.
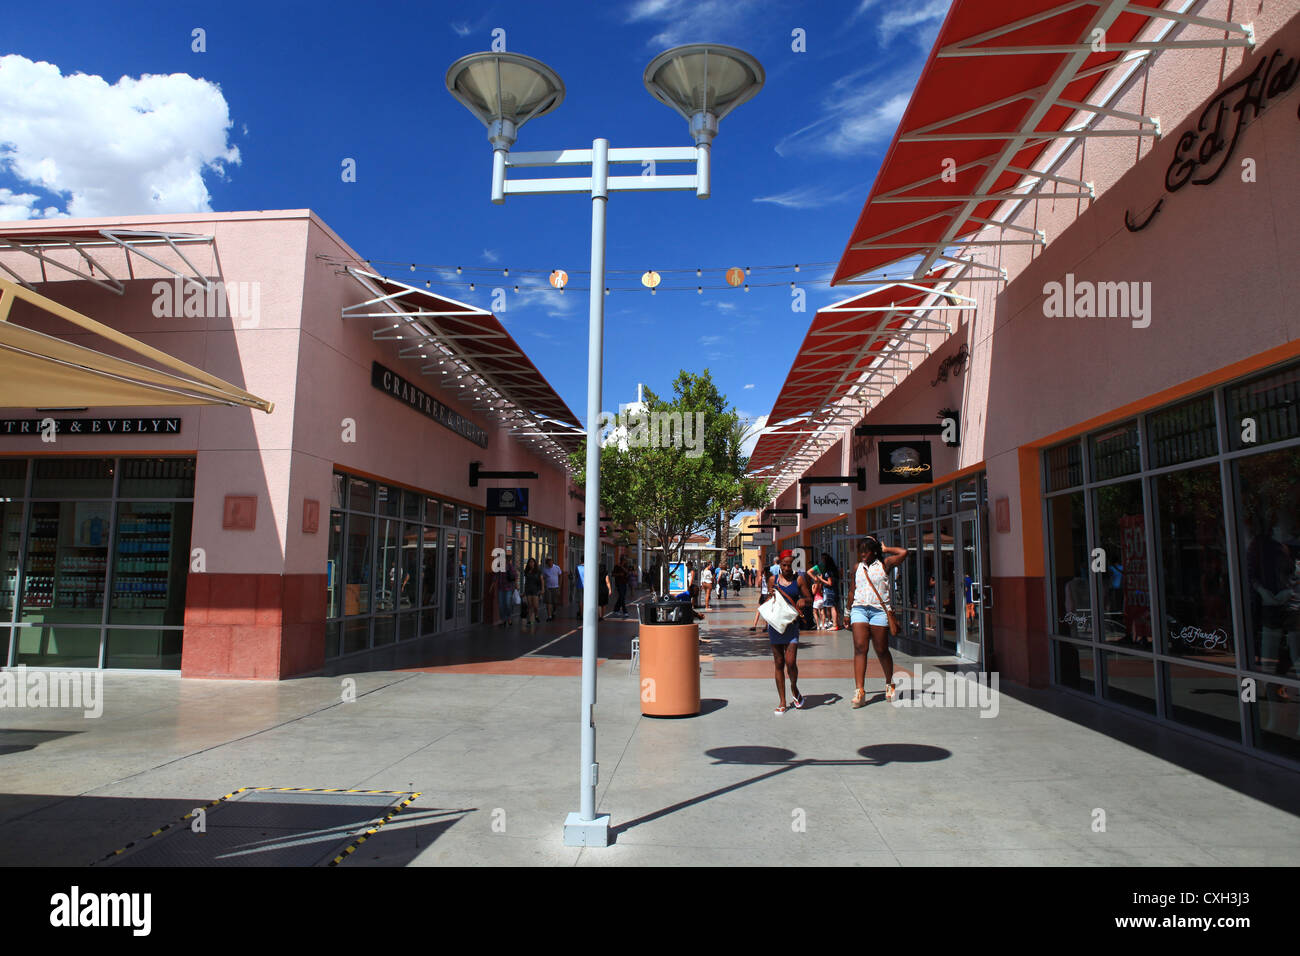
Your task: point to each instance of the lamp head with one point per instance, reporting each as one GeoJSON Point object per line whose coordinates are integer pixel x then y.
{"type": "Point", "coordinates": [704, 82]}
{"type": "Point", "coordinates": [505, 91]}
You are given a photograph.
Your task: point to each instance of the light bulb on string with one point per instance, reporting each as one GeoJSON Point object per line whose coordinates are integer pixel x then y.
{"type": "Point", "coordinates": [412, 266]}
{"type": "Point", "coordinates": [506, 273]}
{"type": "Point", "coordinates": [746, 286]}
{"type": "Point", "coordinates": [458, 269]}
{"type": "Point", "coordinates": [796, 267]}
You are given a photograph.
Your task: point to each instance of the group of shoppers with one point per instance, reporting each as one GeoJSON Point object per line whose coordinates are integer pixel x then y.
{"type": "Point", "coordinates": [868, 614]}
{"type": "Point", "coordinates": [539, 587]}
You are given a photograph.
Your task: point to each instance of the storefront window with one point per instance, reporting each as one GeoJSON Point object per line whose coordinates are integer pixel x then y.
{"type": "Point", "coordinates": [69, 478]}
{"type": "Point", "coordinates": [1121, 534]}
{"type": "Point", "coordinates": [1064, 467]}
{"type": "Point", "coordinates": [1074, 667]}
{"type": "Point", "coordinates": [1264, 409]}
{"type": "Point", "coordinates": [1130, 680]}
{"type": "Point", "coordinates": [1205, 699]}
{"type": "Point", "coordinates": [1115, 452]}
{"type": "Point", "coordinates": [361, 495]}
{"type": "Point", "coordinates": [65, 559]}
{"type": "Point", "coordinates": [1194, 566]}
{"type": "Point", "coordinates": [1073, 591]}
{"type": "Point", "coordinates": [356, 594]}
{"type": "Point", "coordinates": [148, 581]}
{"type": "Point", "coordinates": [1268, 542]}
{"type": "Point", "coordinates": [1183, 433]}
{"type": "Point", "coordinates": [1193, 672]}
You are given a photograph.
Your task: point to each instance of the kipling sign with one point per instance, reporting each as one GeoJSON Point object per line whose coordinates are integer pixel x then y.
{"type": "Point", "coordinates": [836, 500]}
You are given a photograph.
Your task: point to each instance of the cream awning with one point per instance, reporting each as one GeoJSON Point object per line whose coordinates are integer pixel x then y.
{"type": "Point", "coordinates": [38, 370]}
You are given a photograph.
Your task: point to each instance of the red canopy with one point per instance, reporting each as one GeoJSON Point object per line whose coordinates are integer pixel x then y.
{"type": "Point", "coordinates": [1002, 82]}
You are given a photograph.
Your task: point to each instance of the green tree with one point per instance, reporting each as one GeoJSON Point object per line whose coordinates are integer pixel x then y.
{"type": "Point", "coordinates": [674, 467]}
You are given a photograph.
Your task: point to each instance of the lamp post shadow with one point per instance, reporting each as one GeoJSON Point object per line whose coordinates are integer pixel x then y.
{"type": "Point", "coordinates": [873, 755]}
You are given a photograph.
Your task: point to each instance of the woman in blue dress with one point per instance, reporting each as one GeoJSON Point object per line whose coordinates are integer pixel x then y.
{"type": "Point", "coordinates": [792, 587]}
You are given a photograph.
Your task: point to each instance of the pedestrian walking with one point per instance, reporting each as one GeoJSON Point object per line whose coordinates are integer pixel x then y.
{"type": "Point", "coordinates": [706, 583]}
{"type": "Point", "coordinates": [819, 600]}
{"type": "Point", "coordinates": [737, 579]}
{"type": "Point", "coordinates": [533, 586]}
{"type": "Point", "coordinates": [551, 573]}
{"type": "Point", "coordinates": [724, 578]}
{"type": "Point", "coordinates": [870, 613]}
{"type": "Point", "coordinates": [507, 592]}
{"type": "Point", "coordinates": [830, 574]}
{"type": "Point", "coordinates": [602, 584]}
{"type": "Point", "coordinates": [791, 586]}
{"type": "Point", "coordinates": [620, 577]}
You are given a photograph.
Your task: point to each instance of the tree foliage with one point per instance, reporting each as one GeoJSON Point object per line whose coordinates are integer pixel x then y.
{"type": "Point", "coordinates": [674, 489]}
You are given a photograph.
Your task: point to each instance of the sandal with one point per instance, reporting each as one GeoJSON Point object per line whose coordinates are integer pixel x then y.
{"type": "Point", "coordinates": [859, 698]}
{"type": "Point", "coordinates": [799, 702]}
{"type": "Point", "coordinates": [780, 710]}
{"type": "Point", "coordinates": [889, 691]}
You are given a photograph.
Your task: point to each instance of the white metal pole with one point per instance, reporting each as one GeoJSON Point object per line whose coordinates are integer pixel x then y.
{"type": "Point", "coordinates": [587, 829]}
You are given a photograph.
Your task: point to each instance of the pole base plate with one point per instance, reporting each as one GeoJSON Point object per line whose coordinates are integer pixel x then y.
{"type": "Point", "coordinates": [579, 832]}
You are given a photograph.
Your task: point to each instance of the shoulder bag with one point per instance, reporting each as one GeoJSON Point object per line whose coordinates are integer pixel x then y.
{"type": "Point", "coordinates": [778, 614]}
{"type": "Point", "coordinates": [889, 612]}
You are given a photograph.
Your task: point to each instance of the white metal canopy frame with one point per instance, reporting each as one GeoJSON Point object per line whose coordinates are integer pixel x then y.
{"type": "Point", "coordinates": [39, 370]}
{"type": "Point", "coordinates": [479, 357]}
{"type": "Point", "coordinates": [702, 82]}
{"type": "Point", "coordinates": [959, 226]}
{"type": "Point", "coordinates": [91, 245]}
{"type": "Point", "coordinates": [832, 400]}
{"type": "Point", "coordinates": [970, 222]}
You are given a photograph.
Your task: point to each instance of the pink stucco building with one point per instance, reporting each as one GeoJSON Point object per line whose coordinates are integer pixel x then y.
{"type": "Point", "coordinates": [1118, 343]}
{"type": "Point", "coordinates": [230, 543]}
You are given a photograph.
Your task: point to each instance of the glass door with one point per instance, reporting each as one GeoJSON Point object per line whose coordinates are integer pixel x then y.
{"type": "Point", "coordinates": [969, 582]}
{"type": "Point", "coordinates": [463, 564]}
{"type": "Point", "coordinates": [945, 587]}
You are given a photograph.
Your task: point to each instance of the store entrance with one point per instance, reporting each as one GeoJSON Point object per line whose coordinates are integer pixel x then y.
{"type": "Point", "coordinates": [457, 560]}
{"type": "Point", "coordinates": [970, 574]}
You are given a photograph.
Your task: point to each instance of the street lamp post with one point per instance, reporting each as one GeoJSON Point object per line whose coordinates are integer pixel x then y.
{"type": "Point", "coordinates": [701, 81]}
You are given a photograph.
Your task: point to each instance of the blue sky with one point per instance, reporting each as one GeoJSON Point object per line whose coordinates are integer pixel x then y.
{"type": "Point", "coordinates": [286, 91]}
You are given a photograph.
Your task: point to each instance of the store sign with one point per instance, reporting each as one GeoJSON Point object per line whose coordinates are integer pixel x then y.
{"type": "Point", "coordinates": [507, 501]}
{"type": "Point", "coordinates": [905, 463]}
{"type": "Point", "coordinates": [830, 500]}
{"type": "Point", "coordinates": [785, 521]}
{"type": "Point", "coordinates": [386, 380]}
{"type": "Point", "coordinates": [91, 426]}
{"type": "Point", "coordinates": [1205, 151]}
{"type": "Point", "coordinates": [760, 540]}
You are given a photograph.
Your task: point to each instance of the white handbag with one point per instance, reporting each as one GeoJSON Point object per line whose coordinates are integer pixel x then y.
{"type": "Point", "coordinates": [778, 613]}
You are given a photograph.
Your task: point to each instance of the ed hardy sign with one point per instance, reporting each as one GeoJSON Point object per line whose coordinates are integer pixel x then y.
{"type": "Point", "coordinates": [905, 463]}
{"type": "Point", "coordinates": [386, 380]}
{"type": "Point", "coordinates": [91, 426]}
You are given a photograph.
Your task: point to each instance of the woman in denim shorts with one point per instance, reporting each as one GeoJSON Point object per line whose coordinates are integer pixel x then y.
{"type": "Point", "coordinates": [870, 598]}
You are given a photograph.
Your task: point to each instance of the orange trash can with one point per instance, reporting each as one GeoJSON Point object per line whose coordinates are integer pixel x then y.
{"type": "Point", "coordinates": [670, 669]}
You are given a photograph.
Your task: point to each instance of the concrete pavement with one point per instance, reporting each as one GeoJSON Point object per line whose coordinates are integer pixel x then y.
{"type": "Point", "coordinates": [487, 732]}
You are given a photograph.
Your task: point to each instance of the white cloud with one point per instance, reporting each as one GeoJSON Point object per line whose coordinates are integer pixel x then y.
{"type": "Point", "coordinates": [491, 256]}
{"type": "Point", "coordinates": [710, 339]}
{"type": "Point", "coordinates": [134, 146]}
{"type": "Point", "coordinates": [811, 197]}
{"type": "Point", "coordinates": [926, 17]}
{"type": "Point", "coordinates": [23, 206]}
{"type": "Point", "coordinates": [687, 21]}
{"type": "Point", "coordinates": [749, 386]}
{"type": "Point", "coordinates": [461, 28]}
{"type": "Point", "coordinates": [856, 114]}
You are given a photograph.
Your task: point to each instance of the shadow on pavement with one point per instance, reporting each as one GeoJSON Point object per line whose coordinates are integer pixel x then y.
{"type": "Point", "coordinates": [16, 741]}
{"type": "Point", "coordinates": [81, 831]}
{"type": "Point", "coordinates": [874, 755]}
